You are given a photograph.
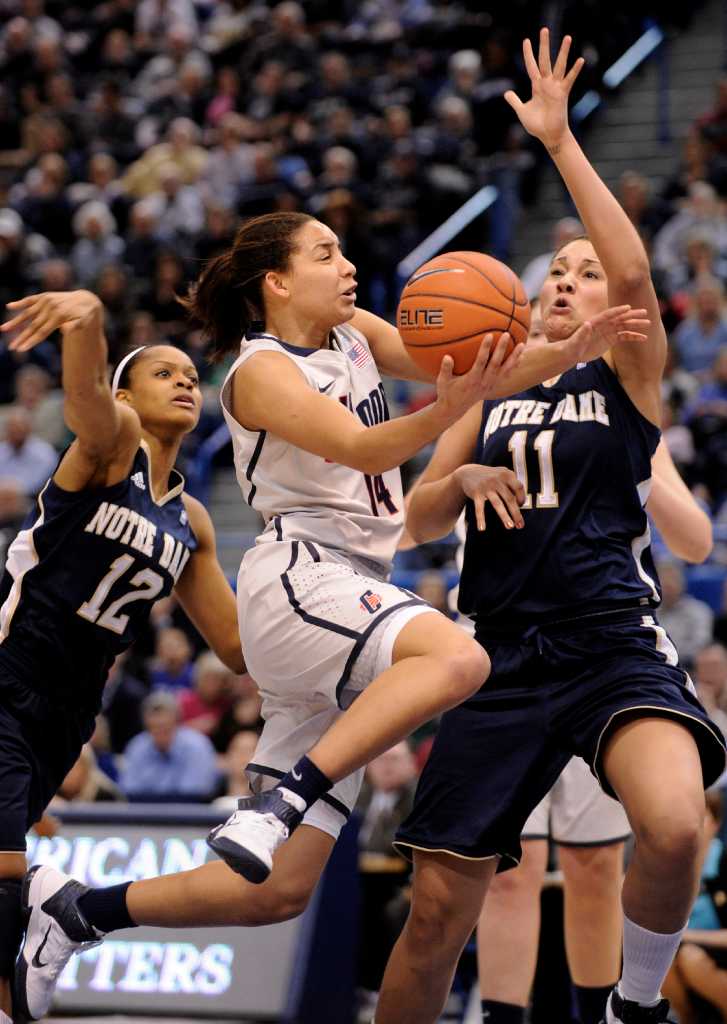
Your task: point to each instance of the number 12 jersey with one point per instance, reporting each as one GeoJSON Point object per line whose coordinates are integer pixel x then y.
{"type": "Point", "coordinates": [80, 579]}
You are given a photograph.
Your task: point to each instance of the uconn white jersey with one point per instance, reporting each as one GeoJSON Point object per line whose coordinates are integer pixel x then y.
{"type": "Point", "coordinates": [303, 496]}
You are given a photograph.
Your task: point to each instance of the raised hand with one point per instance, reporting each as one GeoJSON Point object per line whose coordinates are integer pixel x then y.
{"type": "Point", "coordinates": [545, 115]}
{"type": "Point", "coordinates": [495, 484]}
{"type": "Point", "coordinates": [455, 395]}
{"type": "Point", "coordinates": [596, 336]}
{"type": "Point", "coordinates": [38, 316]}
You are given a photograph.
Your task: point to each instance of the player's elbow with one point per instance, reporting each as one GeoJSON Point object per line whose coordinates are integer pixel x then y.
{"type": "Point", "coordinates": [631, 277]}
{"type": "Point", "coordinates": [423, 530]}
{"type": "Point", "coordinates": [698, 547]}
{"type": "Point", "coordinates": [233, 658]}
{"type": "Point", "coordinates": [361, 455]}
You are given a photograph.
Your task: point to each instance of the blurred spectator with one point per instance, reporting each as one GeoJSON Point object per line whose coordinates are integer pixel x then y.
{"type": "Point", "coordinates": [243, 713]}
{"type": "Point", "coordinates": [218, 234]}
{"type": "Point", "coordinates": [24, 458]}
{"type": "Point", "coordinates": [678, 386]}
{"type": "Point", "coordinates": [233, 763]}
{"type": "Point", "coordinates": [712, 126]}
{"type": "Point", "coordinates": [115, 289]}
{"type": "Point", "coordinates": [98, 244]}
{"type": "Point", "coordinates": [706, 418]}
{"type": "Point", "coordinates": [179, 209]}
{"type": "Point", "coordinates": [700, 336]}
{"type": "Point", "coordinates": [701, 213]}
{"type": "Point", "coordinates": [202, 707]}
{"type": "Point", "coordinates": [180, 149]}
{"type": "Point", "coordinates": [160, 299]}
{"type": "Point", "coordinates": [647, 213]}
{"type": "Point", "coordinates": [103, 186]}
{"type": "Point", "coordinates": [122, 698]}
{"type": "Point", "coordinates": [13, 508]}
{"type": "Point", "coordinates": [85, 782]}
{"type": "Point", "coordinates": [167, 760]}
{"type": "Point", "coordinates": [687, 620]}
{"type": "Point", "coordinates": [144, 242]}
{"type": "Point", "coordinates": [386, 798]}
{"type": "Point", "coordinates": [109, 125]}
{"type": "Point", "coordinates": [260, 194]}
{"type": "Point", "coordinates": [228, 26]}
{"type": "Point", "coordinates": [710, 679]}
{"type": "Point", "coordinates": [711, 399]}
{"type": "Point", "coordinates": [678, 438]}
{"type": "Point", "coordinates": [697, 980]}
{"type": "Point", "coordinates": [100, 744]}
{"type": "Point", "coordinates": [154, 18]}
{"type": "Point", "coordinates": [287, 40]}
{"type": "Point", "coordinates": [720, 621]}
{"type": "Point", "coordinates": [33, 393]}
{"type": "Point", "coordinates": [42, 201]}
{"type": "Point", "coordinates": [226, 97]}
{"type": "Point", "coordinates": [231, 162]}
{"type": "Point", "coordinates": [534, 274]}
{"type": "Point", "coordinates": [432, 588]}
{"type": "Point", "coordinates": [173, 668]}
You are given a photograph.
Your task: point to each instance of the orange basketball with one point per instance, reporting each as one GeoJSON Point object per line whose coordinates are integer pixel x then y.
{"type": "Point", "coordinates": [452, 301]}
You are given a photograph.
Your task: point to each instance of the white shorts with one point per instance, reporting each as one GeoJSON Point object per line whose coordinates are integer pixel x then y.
{"type": "Point", "coordinates": [316, 628]}
{"type": "Point", "coordinates": [576, 811]}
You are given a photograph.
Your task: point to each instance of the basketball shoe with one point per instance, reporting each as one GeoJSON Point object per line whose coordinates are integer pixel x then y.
{"type": "Point", "coordinates": [55, 929]}
{"type": "Point", "coordinates": [620, 1010]}
{"type": "Point", "coordinates": [248, 839]}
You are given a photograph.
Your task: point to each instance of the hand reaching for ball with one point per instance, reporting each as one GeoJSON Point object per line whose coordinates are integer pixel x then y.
{"type": "Point", "coordinates": [492, 366]}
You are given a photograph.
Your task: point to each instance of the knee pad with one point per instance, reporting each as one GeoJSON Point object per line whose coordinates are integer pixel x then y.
{"type": "Point", "coordinates": [11, 924]}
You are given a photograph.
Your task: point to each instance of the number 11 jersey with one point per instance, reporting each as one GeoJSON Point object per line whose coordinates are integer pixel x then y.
{"type": "Point", "coordinates": [582, 450]}
{"type": "Point", "coordinates": [80, 579]}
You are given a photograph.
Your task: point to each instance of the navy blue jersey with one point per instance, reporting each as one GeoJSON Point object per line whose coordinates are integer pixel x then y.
{"type": "Point", "coordinates": [583, 453]}
{"type": "Point", "coordinates": [81, 577]}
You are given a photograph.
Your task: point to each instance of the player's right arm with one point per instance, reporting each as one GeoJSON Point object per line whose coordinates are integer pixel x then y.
{"type": "Point", "coordinates": [685, 527]}
{"type": "Point", "coordinates": [438, 497]}
{"type": "Point", "coordinates": [270, 393]}
{"type": "Point", "coordinates": [107, 434]}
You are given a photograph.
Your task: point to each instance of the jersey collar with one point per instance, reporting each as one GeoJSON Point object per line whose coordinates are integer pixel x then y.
{"type": "Point", "coordinates": [175, 478]}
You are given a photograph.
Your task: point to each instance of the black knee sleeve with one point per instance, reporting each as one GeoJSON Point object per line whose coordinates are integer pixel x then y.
{"type": "Point", "coordinates": [11, 924]}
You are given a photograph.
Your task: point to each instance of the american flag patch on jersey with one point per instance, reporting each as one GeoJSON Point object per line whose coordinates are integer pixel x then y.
{"type": "Point", "coordinates": [358, 354]}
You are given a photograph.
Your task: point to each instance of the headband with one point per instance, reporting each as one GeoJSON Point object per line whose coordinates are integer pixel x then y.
{"type": "Point", "coordinates": [120, 368]}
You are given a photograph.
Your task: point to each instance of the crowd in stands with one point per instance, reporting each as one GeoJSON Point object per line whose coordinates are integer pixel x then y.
{"type": "Point", "coordinates": [134, 137]}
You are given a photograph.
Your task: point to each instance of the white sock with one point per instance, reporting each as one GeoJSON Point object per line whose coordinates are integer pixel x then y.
{"type": "Point", "coordinates": [647, 959]}
{"type": "Point", "coordinates": [4, 1019]}
{"type": "Point", "coordinates": [292, 798]}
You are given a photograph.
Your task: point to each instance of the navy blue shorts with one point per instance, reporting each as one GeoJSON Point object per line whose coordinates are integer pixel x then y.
{"type": "Point", "coordinates": [554, 691]}
{"type": "Point", "coordinates": [39, 744]}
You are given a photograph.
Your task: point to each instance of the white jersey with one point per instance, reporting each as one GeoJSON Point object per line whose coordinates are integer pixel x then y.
{"type": "Point", "coordinates": [303, 496]}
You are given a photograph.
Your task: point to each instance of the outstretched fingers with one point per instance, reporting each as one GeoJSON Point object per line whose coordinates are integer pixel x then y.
{"type": "Point", "coordinates": [531, 65]}
{"type": "Point", "coordinates": [561, 61]}
{"type": "Point", "coordinates": [544, 54]}
{"type": "Point", "coordinates": [574, 73]}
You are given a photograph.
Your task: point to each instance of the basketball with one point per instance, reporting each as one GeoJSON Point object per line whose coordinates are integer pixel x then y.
{"type": "Point", "coordinates": [452, 301]}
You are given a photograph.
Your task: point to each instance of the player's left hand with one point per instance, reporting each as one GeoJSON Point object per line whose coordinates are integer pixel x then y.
{"type": "Point", "coordinates": [545, 115]}
{"type": "Point", "coordinates": [38, 316]}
